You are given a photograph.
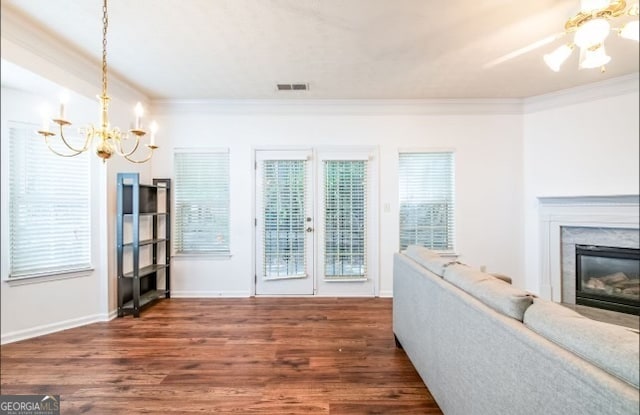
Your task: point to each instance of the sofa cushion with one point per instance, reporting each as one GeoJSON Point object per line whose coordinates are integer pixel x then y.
{"type": "Point", "coordinates": [429, 259]}
{"type": "Point", "coordinates": [610, 347]}
{"type": "Point", "coordinates": [494, 292]}
{"type": "Point", "coordinates": [503, 277]}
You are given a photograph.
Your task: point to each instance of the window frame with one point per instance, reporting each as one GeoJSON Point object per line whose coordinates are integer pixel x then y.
{"type": "Point", "coordinates": [77, 268]}
{"type": "Point", "coordinates": [450, 250]}
{"type": "Point", "coordinates": [330, 226]}
{"type": "Point", "coordinates": [176, 219]}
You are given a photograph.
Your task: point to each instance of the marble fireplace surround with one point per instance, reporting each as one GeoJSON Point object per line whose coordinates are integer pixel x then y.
{"type": "Point", "coordinates": [617, 213]}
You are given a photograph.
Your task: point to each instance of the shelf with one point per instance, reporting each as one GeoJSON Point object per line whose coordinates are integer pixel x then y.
{"type": "Point", "coordinates": [147, 214]}
{"type": "Point", "coordinates": [142, 185]}
{"type": "Point", "coordinates": [152, 280]}
{"type": "Point", "coordinates": [147, 242]}
{"type": "Point", "coordinates": [145, 299]}
{"type": "Point", "coordinates": [150, 186]}
{"type": "Point", "coordinates": [148, 270]}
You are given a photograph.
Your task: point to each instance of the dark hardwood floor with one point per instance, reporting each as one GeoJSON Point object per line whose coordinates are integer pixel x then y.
{"type": "Point", "coordinates": [241, 356]}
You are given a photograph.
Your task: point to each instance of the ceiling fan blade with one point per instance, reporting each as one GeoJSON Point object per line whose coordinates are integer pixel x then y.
{"type": "Point", "coordinates": [526, 49]}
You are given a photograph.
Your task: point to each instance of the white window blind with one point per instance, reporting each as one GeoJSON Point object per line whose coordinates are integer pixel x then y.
{"type": "Point", "coordinates": [49, 207]}
{"type": "Point", "coordinates": [202, 202]}
{"type": "Point", "coordinates": [345, 218]}
{"type": "Point", "coordinates": [427, 200]}
{"type": "Point", "coordinates": [283, 218]}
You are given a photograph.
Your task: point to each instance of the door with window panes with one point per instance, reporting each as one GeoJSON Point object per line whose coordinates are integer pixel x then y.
{"type": "Point", "coordinates": [315, 222]}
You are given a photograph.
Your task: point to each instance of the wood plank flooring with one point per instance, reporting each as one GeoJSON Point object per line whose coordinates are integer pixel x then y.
{"type": "Point", "coordinates": [241, 356]}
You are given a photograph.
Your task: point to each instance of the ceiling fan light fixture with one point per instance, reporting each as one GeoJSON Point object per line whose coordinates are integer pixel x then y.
{"type": "Point", "coordinates": [556, 58]}
{"type": "Point", "coordinates": [591, 27]}
{"type": "Point", "coordinates": [592, 32]}
{"type": "Point", "coordinates": [630, 30]}
{"type": "Point", "coordinates": [594, 57]}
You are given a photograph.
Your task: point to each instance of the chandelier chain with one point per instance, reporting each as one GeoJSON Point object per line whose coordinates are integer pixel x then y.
{"type": "Point", "coordinates": [105, 23]}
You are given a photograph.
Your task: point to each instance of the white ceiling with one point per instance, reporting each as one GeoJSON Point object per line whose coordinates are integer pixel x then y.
{"type": "Point", "coordinates": [344, 49]}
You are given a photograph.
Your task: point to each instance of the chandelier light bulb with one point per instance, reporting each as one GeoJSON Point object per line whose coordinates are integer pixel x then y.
{"type": "Point", "coordinates": [154, 128]}
{"type": "Point", "coordinates": [45, 112]}
{"type": "Point", "coordinates": [591, 33]}
{"type": "Point", "coordinates": [556, 58]}
{"type": "Point", "coordinates": [64, 99]}
{"type": "Point", "coordinates": [139, 113]}
{"type": "Point", "coordinates": [593, 57]}
{"type": "Point", "coordinates": [630, 30]}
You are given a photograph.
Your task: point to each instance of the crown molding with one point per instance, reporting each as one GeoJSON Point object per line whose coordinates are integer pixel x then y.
{"type": "Point", "coordinates": [620, 85]}
{"type": "Point", "coordinates": [592, 200]}
{"type": "Point", "coordinates": [340, 107]}
{"type": "Point", "coordinates": [28, 45]}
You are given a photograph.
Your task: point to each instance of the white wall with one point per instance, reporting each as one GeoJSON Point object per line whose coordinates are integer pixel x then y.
{"type": "Point", "coordinates": [488, 172]}
{"type": "Point", "coordinates": [35, 308]}
{"type": "Point", "coordinates": [28, 48]}
{"type": "Point", "coordinates": [582, 142]}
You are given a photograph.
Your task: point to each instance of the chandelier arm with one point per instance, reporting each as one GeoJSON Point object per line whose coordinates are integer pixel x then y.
{"type": "Point", "coordinates": [70, 147]}
{"type": "Point", "coordinates": [124, 154]}
{"type": "Point", "coordinates": [151, 148]}
{"type": "Point", "coordinates": [75, 152]}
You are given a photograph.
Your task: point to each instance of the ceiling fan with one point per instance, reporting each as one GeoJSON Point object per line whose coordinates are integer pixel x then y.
{"type": "Point", "coordinates": [589, 28]}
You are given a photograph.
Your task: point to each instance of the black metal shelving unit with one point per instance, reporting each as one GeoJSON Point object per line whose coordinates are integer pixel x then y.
{"type": "Point", "coordinates": [140, 284]}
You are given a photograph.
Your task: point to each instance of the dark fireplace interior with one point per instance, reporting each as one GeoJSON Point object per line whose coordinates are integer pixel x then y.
{"type": "Point", "coordinates": [608, 278]}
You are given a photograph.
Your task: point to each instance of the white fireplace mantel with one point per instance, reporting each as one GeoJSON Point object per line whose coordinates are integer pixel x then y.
{"type": "Point", "coordinates": [586, 211]}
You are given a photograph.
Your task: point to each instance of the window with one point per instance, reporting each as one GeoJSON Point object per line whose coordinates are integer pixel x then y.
{"type": "Point", "coordinates": [284, 190]}
{"type": "Point", "coordinates": [427, 200]}
{"type": "Point", "coordinates": [49, 207]}
{"type": "Point", "coordinates": [202, 202]}
{"type": "Point", "coordinates": [345, 218]}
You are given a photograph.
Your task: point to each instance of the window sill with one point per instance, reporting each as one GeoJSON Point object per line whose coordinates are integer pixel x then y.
{"type": "Point", "coordinates": [365, 279]}
{"type": "Point", "coordinates": [213, 257]}
{"type": "Point", "coordinates": [284, 277]}
{"type": "Point", "coordinates": [37, 279]}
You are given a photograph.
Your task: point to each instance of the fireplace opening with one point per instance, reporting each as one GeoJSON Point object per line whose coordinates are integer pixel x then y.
{"type": "Point", "coordinates": [608, 278]}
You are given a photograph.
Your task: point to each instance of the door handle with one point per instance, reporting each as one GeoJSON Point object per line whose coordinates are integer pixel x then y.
{"type": "Point", "coordinates": [309, 229]}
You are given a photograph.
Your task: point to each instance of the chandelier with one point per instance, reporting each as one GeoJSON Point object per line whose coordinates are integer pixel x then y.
{"type": "Point", "coordinates": [109, 139]}
{"type": "Point", "coordinates": [591, 26]}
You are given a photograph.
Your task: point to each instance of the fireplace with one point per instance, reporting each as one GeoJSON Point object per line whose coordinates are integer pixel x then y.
{"type": "Point", "coordinates": [608, 278]}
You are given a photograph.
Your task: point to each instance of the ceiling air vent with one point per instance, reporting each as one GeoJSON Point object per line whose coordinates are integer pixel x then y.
{"type": "Point", "coordinates": [293, 87]}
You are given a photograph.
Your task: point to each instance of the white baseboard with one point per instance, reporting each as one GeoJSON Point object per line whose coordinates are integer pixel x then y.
{"type": "Point", "coordinates": [50, 328]}
{"type": "Point", "coordinates": [386, 293]}
{"type": "Point", "coordinates": [112, 314]}
{"type": "Point", "coordinates": [209, 294]}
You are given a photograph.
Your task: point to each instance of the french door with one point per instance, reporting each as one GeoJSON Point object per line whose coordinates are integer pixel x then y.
{"type": "Point", "coordinates": [316, 223]}
{"type": "Point", "coordinates": [284, 223]}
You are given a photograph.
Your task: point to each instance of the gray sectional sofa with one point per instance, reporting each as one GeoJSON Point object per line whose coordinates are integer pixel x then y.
{"type": "Point", "coordinates": [485, 347]}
